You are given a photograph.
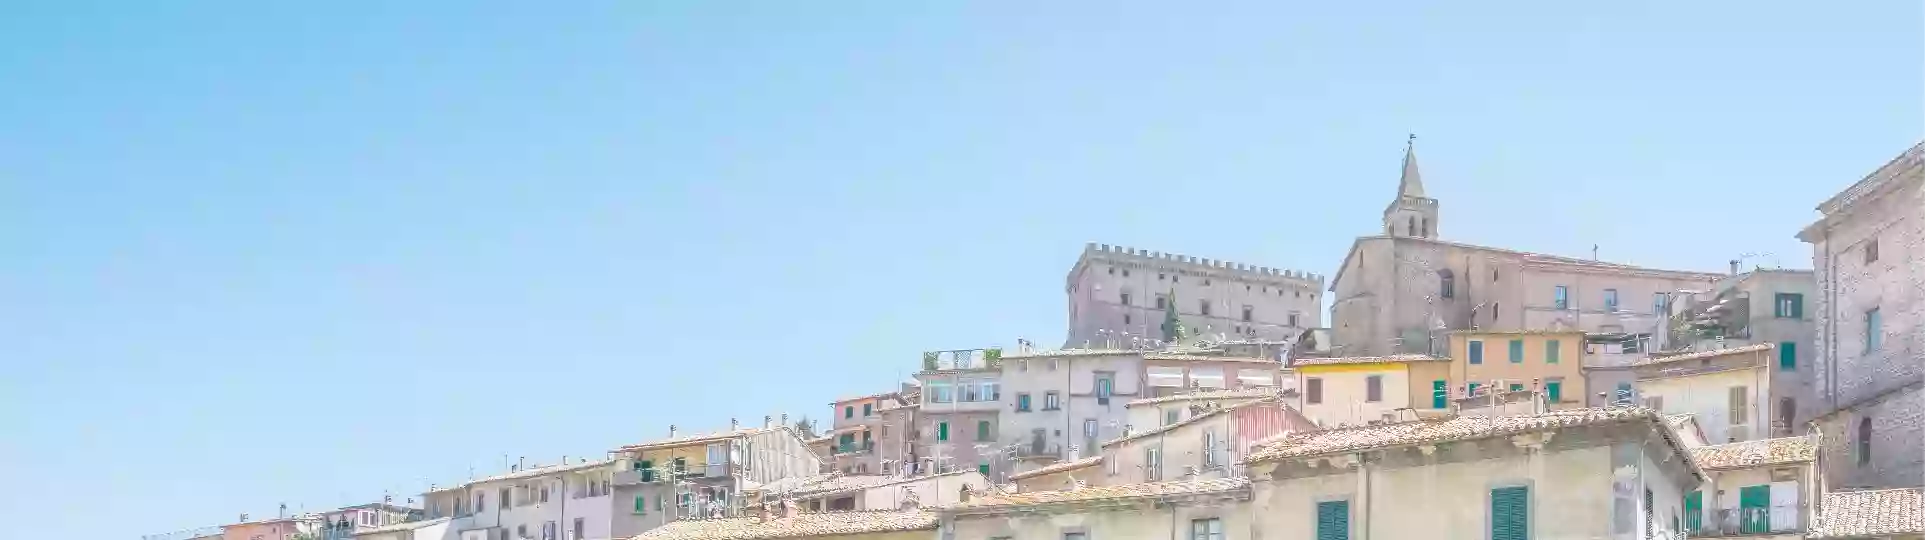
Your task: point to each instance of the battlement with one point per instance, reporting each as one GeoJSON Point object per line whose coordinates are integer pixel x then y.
{"type": "Point", "coordinates": [1175, 261]}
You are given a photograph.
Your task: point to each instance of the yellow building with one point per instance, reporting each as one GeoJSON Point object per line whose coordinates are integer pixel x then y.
{"type": "Point", "coordinates": [1546, 361]}
{"type": "Point", "coordinates": [1355, 391]}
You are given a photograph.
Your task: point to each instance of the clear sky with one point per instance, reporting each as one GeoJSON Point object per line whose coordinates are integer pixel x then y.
{"type": "Point", "coordinates": [253, 254]}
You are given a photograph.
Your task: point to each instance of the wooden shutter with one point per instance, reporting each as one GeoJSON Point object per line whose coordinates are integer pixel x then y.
{"type": "Point", "coordinates": [1476, 351]}
{"type": "Point", "coordinates": [1693, 511]}
{"type": "Point", "coordinates": [1788, 355]}
{"type": "Point", "coordinates": [1740, 403]}
{"type": "Point", "coordinates": [942, 431]}
{"type": "Point", "coordinates": [1550, 351]}
{"type": "Point", "coordinates": [1510, 513]}
{"type": "Point", "coordinates": [1554, 390]}
{"type": "Point", "coordinates": [1333, 520]}
{"type": "Point", "coordinates": [1517, 351]}
{"type": "Point", "coordinates": [1439, 394]}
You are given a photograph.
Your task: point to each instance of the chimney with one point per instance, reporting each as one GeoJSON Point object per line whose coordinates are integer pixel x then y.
{"type": "Point", "coordinates": [521, 463]}
{"type": "Point", "coordinates": [734, 426]}
{"type": "Point", "coordinates": [785, 419]}
{"type": "Point", "coordinates": [1734, 266]}
{"type": "Point", "coordinates": [768, 421]}
{"type": "Point", "coordinates": [283, 512]}
{"type": "Point", "coordinates": [671, 431]}
{"type": "Point", "coordinates": [243, 518]}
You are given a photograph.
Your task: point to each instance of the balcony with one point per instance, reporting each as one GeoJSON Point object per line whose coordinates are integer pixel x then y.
{"type": "Point", "coordinates": [1746, 521]}
{"type": "Point", "coordinates": [1039, 452]}
{"type": "Point", "coordinates": [853, 448]}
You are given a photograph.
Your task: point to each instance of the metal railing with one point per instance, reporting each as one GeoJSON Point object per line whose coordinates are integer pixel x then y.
{"type": "Point", "coordinates": [1743, 521]}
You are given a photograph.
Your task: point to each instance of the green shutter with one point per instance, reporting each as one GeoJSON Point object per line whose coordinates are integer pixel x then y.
{"type": "Point", "coordinates": [983, 468]}
{"type": "Point", "coordinates": [942, 431]}
{"type": "Point", "coordinates": [1473, 388]}
{"type": "Point", "coordinates": [641, 504]}
{"type": "Point", "coordinates": [1510, 513]}
{"type": "Point", "coordinates": [1753, 509]}
{"type": "Point", "coordinates": [1439, 394]}
{"type": "Point", "coordinates": [849, 412]}
{"type": "Point", "coordinates": [1333, 520]}
{"type": "Point", "coordinates": [1693, 511]}
{"type": "Point", "coordinates": [1550, 351]}
{"type": "Point", "coordinates": [982, 430]}
{"type": "Point", "coordinates": [1517, 351]}
{"type": "Point", "coordinates": [1555, 390]}
{"type": "Point", "coordinates": [1476, 352]}
{"type": "Point", "coordinates": [648, 470]}
{"type": "Point", "coordinates": [1788, 356]}
{"type": "Point", "coordinates": [868, 409]}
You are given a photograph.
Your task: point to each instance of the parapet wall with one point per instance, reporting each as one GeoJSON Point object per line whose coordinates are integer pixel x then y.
{"type": "Point", "coordinates": [1199, 264]}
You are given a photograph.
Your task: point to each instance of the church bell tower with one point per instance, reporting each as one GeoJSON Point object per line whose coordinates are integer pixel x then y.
{"type": "Point", "coordinates": [1411, 214]}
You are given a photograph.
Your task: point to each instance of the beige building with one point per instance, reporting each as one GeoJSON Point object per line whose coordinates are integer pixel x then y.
{"type": "Point", "coordinates": [1210, 444]}
{"type": "Point", "coordinates": [1087, 471]}
{"type": "Point", "coordinates": [1761, 306]}
{"type": "Point", "coordinates": [429, 529]}
{"type": "Point", "coordinates": [1755, 489]}
{"type": "Point", "coordinates": [1150, 413]}
{"type": "Point", "coordinates": [1200, 509]}
{"type": "Point", "coordinates": [1867, 377]}
{"type": "Point", "coordinates": [859, 425]}
{"type": "Point", "coordinates": [1119, 296]}
{"type": "Point", "coordinates": [1354, 391]}
{"type": "Point", "coordinates": [1579, 473]}
{"type": "Point", "coordinates": [779, 521]}
{"type": "Point", "coordinates": [1547, 363]}
{"type": "Point", "coordinates": [1726, 390]}
{"type": "Point", "coordinates": [1402, 291]}
{"type": "Point", "coordinates": [1887, 514]}
{"type": "Point", "coordinates": [843, 493]}
{"type": "Point", "coordinates": [702, 476]}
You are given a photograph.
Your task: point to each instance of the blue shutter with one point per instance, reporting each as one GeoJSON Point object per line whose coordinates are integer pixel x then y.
{"type": "Point", "coordinates": [1551, 351]}
{"type": "Point", "coordinates": [1333, 520]}
{"type": "Point", "coordinates": [1510, 513]}
{"type": "Point", "coordinates": [1517, 351]}
{"type": "Point", "coordinates": [1476, 352]}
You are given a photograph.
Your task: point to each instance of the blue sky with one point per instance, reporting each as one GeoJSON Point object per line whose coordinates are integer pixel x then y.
{"type": "Point", "coordinates": [253, 254]}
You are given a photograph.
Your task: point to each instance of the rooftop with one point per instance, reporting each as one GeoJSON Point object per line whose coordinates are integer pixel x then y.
{"type": "Point", "coordinates": [1107, 493]}
{"type": "Point", "coordinates": [827, 485]}
{"type": "Point", "coordinates": [1759, 453]}
{"type": "Point", "coordinates": [1246, 392]}
{"type": "Point", "coordinates": [1851, 514]}
{"type": "Point", "coordinates": [1540, 260]}
{"type": "Point", "coordinates": [696, 439]}
{"type": "Point", "coordinates": [1448, 429]}
{"type": "Point", "coordinates": [799, 525]}
{"type": "Point", "coordinates": [412, 525]}
{"type": "Point", "coordinates": [1187, 421]}
{"type": "Point", "coordinates": [1343, 360]}
{"type": "Point", "coordinates": [1526, 332]}
{"type": "Point", "coordinates": [1701, 355]}
{"type": "Point", "coordinates": [1178, 357]}
{"type": "Point", "coordinates": [1059, 467]}
{"type": "Point", "coordinates": [531, 472]}
{"type": "Point", "coordinates": [1071, 352]}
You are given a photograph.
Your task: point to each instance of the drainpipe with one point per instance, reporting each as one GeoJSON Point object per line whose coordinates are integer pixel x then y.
{"type": "Point", "coordinates": [1363, 497]}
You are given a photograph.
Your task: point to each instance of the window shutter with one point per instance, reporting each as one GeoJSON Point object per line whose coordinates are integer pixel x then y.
{"type": "Point", "coordinates": [942, 431]}
{"type": "Point", "coordinates": [1693, 511]}
{"type": "Point", "coordinates": [1788, 355]}
{"type": "Point", "coordinates": [1333, 520]}
{"type": "Point", "coordinates": [1550, 351]}
{"type": "Point", "coordinates": [1439, 394]}
{"type": "Point", "coordinates": [1740, 403]}
{"type": "Point", "coordinates": [1554, 390]}
{"type": "Point", "coordinates": [1476, 349]}
{"type": "Point", "coordinates": [1510, 513]}
{"type": "Point", "coordinates": [1517, 351]}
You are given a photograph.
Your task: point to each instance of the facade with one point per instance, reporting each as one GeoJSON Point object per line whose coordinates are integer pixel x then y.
{"type": "Point", "coordinates": [1727, 391]}
{"type": "Point", "coordinates": [1608, 370]}
{"type": "Point", "coordinates": [1402, 291]}
{"type": "Point", "coordinates": [859, 424]}
{"type": "Point", "coordinates": [702, 476]}
{"type": "Point", "coordinates": [344, 523]}
{"type": "Point", "coordinates": [1354, 391]}
{"type": "Point", "coordinates": [1756, 489]}
{"type": "Point", "coordinates": [283, 528]}
{"type": "Point", "coordinates": [784, 521]}
{"type": "Point", "coordinates": [1870, 329]}
{"type": "Point", "coordinates": [1193, 509]}
{"type": "Point", "coordinates": [1210, 444]}
{"type": "Point", "coordinates": [957, 424]}
{"type": "Point", "coordinates": [1548, 363]}
{"type": "Point", "coordinates": [1151, 413]}
{"type": "Point", "coordinates": [838, 493]}
{"type": "Point", "coordinates": [1065, 475]}
{"type": "Point", "coordinates": [1119, 298]}
{"type": "Point", "coordinates": [431, 529]}
{"type": "Point", "coordinates": [536, 502]}
{"type": "Point", "coordinates": [1761, 306]}
{"type": "Point", "coordinates": [1578, 473]}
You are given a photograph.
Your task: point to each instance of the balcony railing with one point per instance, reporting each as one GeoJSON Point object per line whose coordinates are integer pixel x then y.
{"type": "Point", "coordinates": [855, 448]}
{"type": "Point", "coordinates": [1744, 521]}
{"type": "Point", "coordinates": [1035, 451]}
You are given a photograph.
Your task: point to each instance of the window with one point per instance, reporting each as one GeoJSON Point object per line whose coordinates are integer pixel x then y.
{"type": "Point", "coordinates": [992, 391]}
{"type": "Point", "coordinates": [1126, 320]}
{"type": "Point", "coordinates": [1871, 251]}
{"type": "Point", "coordinates": [1203, 306]}
{"type": "Point", "coordinates": [1788, 356]}
{"type": "Point", "coordinates": [982, 431]}
{"type": "Point", "coordinates": [1124, 298]}
{"type": "Point", "coordinates": [1658, 301]}
{"type": "Point", "coordinates": [1206, 529]}
{"type": "Point", "coordinates": [1864, 441]}
{"type": "Point", "coordinates": [1650, 514]}
{"type": "Point", "coordinates": [1075, 536]}
{"type": "Point", "coordinates": [1209, 448]}
{"type": "Point", "coordinates": [1493, 275]}
{"type": "Point", "coordinates": [1293, 321]}
{"type": "Point", "coordinates": [521, 531]}
{"type": "Point", "coordinates": [1172, 415]}
{"type": "Point", "coordinates": [1476, 351]}
{"type": "Point", "coordinates": [1623, 393]}
{"type": "Point", "coordinates": [1495, 307]}
{"type": "Point", "coordinates": [970, 392]}
{"type": "Point", "coordinates": [1159, 277]}
{"type": "Point", "coordinates": [1333, 520]}
{"type": "Point", "coordinates": [1247, 312]}
{"type": "Point", "coordinates": [1517, 351]}
{"type": "Point", "coordinates": [1471, 390]}
{"type": "Point", "coordinates": [941, 393]}
{"type": "Point", "coordinates": [1105, 386]}
{"type": "Point", "coordinates": [1446, 284]}
{"type": "Point", "coordinates": [1554, 389]}
{"type": "Point", "coordinates": [1022, 402]}
{"type": "Point", "coordinates": [1694, 512]}
{"type": "Point", "coordinates": [868, 409]}
{"type": "Point", "coordinates": [1313, 390]}
{"type": "Point", "coordinates": [641, 505]}
{"type": "Point", "coordinates": [1654, 402]}
{"type": "Point", "coordinates": [548, 530]}
{"type": "Point", "coordinates": [1425, 231]}
{"type": "Point", "coordinates": [1510, 513]}
{"type": "Point", "coordinates": [1517, 387]}
{"type": "Point", "coordinates": [1411, 226]}
{"type": "Point", "coordinates": [1153, 464]}
{"type": "Point", "coordinates": [648, 470]}
{"type": "Point", "coordinates": [1178, 278]}
{"type": "Point", "coordinates": [505, 496]}
{"type": "Point", "coordinates": [1550, 351]}
{"type": "Point", "coordinates": [1162, 301]}
{"type": "Point", "coordinates": [1787, 410]}
{"type": "Point", "coordinates": [1788, 306]}
{"type": "Point", "coordinates": [1374, 388]}
{"type": "Point", "coordinates": [1439, 394]}
{"type": "Point", "coordinates": [1873, 332]}
{"type": "Point", "coordinates": [1740, 402]}
{"type": "Point", "coordinates": [1561, 297]}
{"type": "Point", "coordinates": [848, 412]}
{"type": "Point", "coordinates": [1052, 401]}
{"type": "Point", "coordinates": [581, 529]}
{"type": "Point", "coordinates": [1610, 299]}
{"type": "Point", "coordinates": [543, 498]}
{"type": "Point", "coordinates": [942, 431]}
{"type": "Point", "coordinates": [1126, 272]}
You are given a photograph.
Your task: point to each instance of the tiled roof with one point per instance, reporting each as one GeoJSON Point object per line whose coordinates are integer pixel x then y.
{"type": "Point", "coordinates": [1246, 392]}
{"type": "Point", "coordinates": [532, 472]}
{"type": "Point", "coordinates": [1759, 453]}
{"type": "Point", "coordinates": [694, 439]}
{"type": "Point", "coordinates": [800, 525]}
{"type": "Point", "coordinates": [1187, 421]}
{"type": "Point", "coordinates": [1059, 467]}
{"type": "Point", "coordinates": [1460, 428]}
{"type": "Point", "coordinates": [1678, 420]}
{"type": "Point", "coordinates": [828, 485]}
{"type": "Point", "coordinates": [1850, 514]}
{"type": "Point", "coordinates": [1367, 360]}
{"type": "Point", "coordinates": [1175, 357]}
{"type": "Point", "coordinates": [1106, 493]}
{"type": "Point", "coordinates": [1705, 354]}
{"type": "Point", "coordinates": [870, 396]}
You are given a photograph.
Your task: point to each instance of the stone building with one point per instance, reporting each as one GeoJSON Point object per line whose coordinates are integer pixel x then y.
{"type": "Point", "coordinates": [1760, 306]}
{"type": "Point", "coordinates": [703, 476]}
{"type": "Point", "coordinates": [1119, 296]}
{"type": "Point", "coordinates": [1870, 331]}
{"type": "Point", "coordinates": [1400, 292]}
{"type": "Point", "coordinates": [1726, 390]}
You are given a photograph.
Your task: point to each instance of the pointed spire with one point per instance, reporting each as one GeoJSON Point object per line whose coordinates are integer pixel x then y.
{"type": "Point", "coordinates": [1411, 184]}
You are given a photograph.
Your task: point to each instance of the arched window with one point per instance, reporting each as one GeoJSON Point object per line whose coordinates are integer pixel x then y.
{"type": "Point", "coordinates": [1446, 284]}
{"type": "Point", "coordinates": [1412, 229]}
{"type": "Point", "coordinates": [1864, 441]}
{"type": "Point", "coordinates": [1426, 229]}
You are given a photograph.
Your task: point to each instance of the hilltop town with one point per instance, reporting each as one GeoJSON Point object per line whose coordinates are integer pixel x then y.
{"type": "Point", "coordinates": [1451, 391]}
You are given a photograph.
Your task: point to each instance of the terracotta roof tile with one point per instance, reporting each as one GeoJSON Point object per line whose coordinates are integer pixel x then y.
{"type": "Point", "coordinates": [1848, 514]}
{"type": "Point", "coordinates": [1059, 467]}
{"type": "Point", "coordinates": [1107, 493]}
{"type": "Point", "coordinates": [795, 526]}
{"type": "Point", "coordinates": [1759, 453]}
{"type": "Point", "coordinates": [1704, 354]}
{"type": "Point", "coordinates": [1460, 428]}
{"type": "Point", "coordinates": [1341, 360]}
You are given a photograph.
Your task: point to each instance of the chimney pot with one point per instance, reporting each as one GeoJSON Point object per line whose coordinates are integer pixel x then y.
{"type": "Point", "coordinates": [1734, 266]}
{"type": "Point", "coordinates": [734, 425]}
{"type": "Point", "coordinates": [671, 431]}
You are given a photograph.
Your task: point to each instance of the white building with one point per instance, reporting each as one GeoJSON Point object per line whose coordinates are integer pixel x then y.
{"type": "Point", "coordinates": [427, 529]}
{"type": "Point", "coordinates": [1759, 489]}
{"type": "Point", "coordinates": [557, 502]}
{"type": "Point", "coordinates": [1727, 390]}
